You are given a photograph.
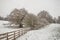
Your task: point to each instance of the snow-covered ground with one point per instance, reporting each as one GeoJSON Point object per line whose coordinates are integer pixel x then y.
{"type": "Point", "coordinates": [2, 23]}
{"type": "Point", "coordinates": [3, 28]}
{"type": "Point", "coordinates": [51, 32]}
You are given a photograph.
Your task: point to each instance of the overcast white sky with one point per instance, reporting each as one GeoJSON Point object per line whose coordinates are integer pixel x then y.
{"type": "Point", "coordinates": [33, 6]}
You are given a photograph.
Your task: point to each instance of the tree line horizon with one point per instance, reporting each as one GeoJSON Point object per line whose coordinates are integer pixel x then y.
{"type": "Point", "coordinates": [25, 19]}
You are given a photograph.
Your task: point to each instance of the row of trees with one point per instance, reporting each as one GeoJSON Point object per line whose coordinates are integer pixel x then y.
{"type": "Point", "coordinates": [25, 19]}
{"type": "Point", "coordinates": [1, 18]}
{"type": "Point", "coordinates": [58, 20]}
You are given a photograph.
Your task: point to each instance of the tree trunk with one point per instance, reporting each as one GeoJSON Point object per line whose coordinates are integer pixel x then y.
{"type": "Point", "coordinates": [20, 26]}
{"type": "Point", "coordinates": [32, 27]}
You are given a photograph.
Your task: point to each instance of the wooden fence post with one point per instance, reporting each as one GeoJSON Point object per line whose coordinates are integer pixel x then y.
{"type": "Point", "coordinates": [14, 36]}
{"type": "Point", "coordinates": [19, 32]}
{"type": "Point", "coordinates": [7, 36]}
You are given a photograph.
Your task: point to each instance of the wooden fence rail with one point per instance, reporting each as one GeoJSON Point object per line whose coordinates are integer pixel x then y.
{"type": "Point", "coordinates": [14, 34]}
{"type": "Point", "coordinates": [10, 35]}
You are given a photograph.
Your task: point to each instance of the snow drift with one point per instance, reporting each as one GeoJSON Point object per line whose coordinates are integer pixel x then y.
{"type": "Point", "coordinates": [50, 32]}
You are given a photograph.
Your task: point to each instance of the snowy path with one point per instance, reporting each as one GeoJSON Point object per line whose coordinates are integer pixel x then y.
{"type": "Point", "coordinates": [51, 32]}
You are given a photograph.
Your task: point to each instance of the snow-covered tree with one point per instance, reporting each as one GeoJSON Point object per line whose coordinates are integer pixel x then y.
{"type": "Point", "coordinates": [31, 20]}
{"type": "Point", "coordinates": [44, 14]}
{"type": "Point", "coordinates": [17, 16]}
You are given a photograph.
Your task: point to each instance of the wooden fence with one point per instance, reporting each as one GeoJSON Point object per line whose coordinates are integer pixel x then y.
{"type": "Point", "coordinates": [13, 35]}
{"type": "Point", "coordinates": [10, 35]}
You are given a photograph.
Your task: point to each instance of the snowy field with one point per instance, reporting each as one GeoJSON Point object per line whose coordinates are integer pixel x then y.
{"type": "Point", "coordinates": [3, 28]}
{"type": "Point", "coordinates": [51, 32]}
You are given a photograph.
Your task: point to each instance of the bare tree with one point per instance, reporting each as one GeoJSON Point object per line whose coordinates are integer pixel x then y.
{"type": "Point", "coordinates": [17, 16]}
